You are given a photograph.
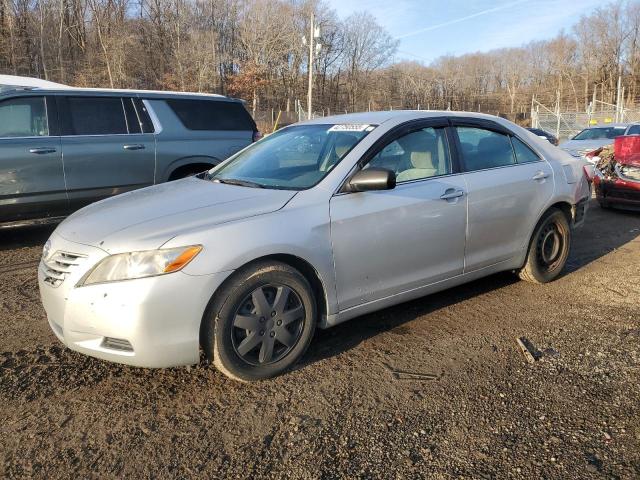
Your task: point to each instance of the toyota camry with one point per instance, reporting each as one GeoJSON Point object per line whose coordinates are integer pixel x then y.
{"type": "Point", "coordinates": [313, 225]}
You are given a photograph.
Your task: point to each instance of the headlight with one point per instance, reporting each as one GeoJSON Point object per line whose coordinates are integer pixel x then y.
{"type": "Point", "coordinates": [127, 266]}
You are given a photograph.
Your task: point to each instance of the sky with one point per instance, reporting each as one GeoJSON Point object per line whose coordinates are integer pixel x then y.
{"type": "Point", "coordinates": [428, 29]}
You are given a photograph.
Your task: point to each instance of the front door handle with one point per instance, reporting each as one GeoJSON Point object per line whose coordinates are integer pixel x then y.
{"type": "Point", "coordinates": [540, 175]}
{"type": "Point", "coordinates": [136, 146]}
{"type": "Point", "coordinates": [42, 150]}
{"type": "Point", "coordinates": [451, 193]}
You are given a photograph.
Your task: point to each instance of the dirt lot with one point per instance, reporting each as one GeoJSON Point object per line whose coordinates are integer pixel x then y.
{"type": "Point", "coordinates": [471, 407]}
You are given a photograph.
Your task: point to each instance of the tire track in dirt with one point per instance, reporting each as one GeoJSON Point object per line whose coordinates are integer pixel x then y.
{"type": "Point", "coordinates": [17, 267]}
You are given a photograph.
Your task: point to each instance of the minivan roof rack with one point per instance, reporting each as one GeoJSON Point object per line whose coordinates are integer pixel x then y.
{"type": "Point", "coordinates": [15, 82]}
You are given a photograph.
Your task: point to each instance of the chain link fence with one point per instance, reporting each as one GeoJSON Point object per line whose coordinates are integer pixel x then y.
{"type": "Point", "coordinates": [270, 120]}
{"type": "Point", "coordinates": [567, 124]}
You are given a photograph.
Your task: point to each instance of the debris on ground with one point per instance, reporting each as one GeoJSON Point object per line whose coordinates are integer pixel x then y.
{"type": "Point", "coordinates": [528, 350]}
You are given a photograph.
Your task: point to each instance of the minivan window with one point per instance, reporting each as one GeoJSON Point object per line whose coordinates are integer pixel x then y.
{"type": "Point", "coordinates": [482, 149]}
{"type": "Point", "coordinates": [211, 114]}
{"type": "Point", "coordinates": [133, 122]}
{"type": "Point", "coordinates": [23, 117]}
{"type": "Point", "coordinates": [294, 158]}
{"type": "Point", "coordinates": [96, 116]}
{"type": "Point", "coordinates": [143, 115]}
{"type": "Point", "coordinates": [523, 153]}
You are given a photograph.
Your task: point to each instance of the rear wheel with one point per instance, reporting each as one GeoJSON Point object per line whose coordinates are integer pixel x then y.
{"type": "Point", "coordinates": [262, 323]}
{"type": "Point", "coordinates": [548, 249]}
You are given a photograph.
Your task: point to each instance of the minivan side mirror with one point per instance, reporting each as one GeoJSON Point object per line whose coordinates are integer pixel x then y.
{"type": "Point", "coordinates": [372, 179]}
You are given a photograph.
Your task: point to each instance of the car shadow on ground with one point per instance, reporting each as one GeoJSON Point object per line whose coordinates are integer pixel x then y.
{"type": "Point", "coordinates": [604, 231]}
{"type": "Point", "coordinates": [24, 237]}
{"type": "Point", "coordinates": [347, 335]}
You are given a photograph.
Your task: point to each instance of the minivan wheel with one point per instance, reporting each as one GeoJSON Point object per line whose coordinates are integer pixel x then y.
{"type": "Point", "coordinates": [261, 323]}
{"type": "Point", "coordinates": [548, 249]}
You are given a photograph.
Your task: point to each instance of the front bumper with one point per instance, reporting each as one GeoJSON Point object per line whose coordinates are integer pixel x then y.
{"type": "Point", "coordinates": [616, 191]}
{"type": "Point", "coordinates": [149, 322]}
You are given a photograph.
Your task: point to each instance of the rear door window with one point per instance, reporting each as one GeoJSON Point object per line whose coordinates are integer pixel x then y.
{"type": "Point", "coordinates": [134, 125]}
{"type": "Point", "coordinates": [211, 114]}
{"type": "Point", "coordinates": [482, 149]}
{"type": "Point", "coordinates": [523, 153]}
{"type": "Point", "coordinates": [23, 117]}
{"type": "Point", "coordinates": [96, 116]}
{"type": "Point", "coordinates": [143, 115]}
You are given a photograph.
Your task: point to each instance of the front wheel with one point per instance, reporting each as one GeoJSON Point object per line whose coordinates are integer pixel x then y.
{"type": "Point", "coordinates": [262, 323]}
{"type": "Point", "coordinates": [548, 249]}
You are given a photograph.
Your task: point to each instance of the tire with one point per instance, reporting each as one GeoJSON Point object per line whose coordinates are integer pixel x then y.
{"type": "Point", "coordinates": [548, 248]}
{"type": "Point", "coordinates": [261, 322]}
{"type": "Point", "coordinates": [179, 174]}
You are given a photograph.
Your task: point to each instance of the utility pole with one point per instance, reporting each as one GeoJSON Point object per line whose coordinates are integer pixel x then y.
{"type": "Point", "coordinates": [314, 47]}
{"type": "Point", "coordinates": [558, 113]}
{"type": "Point", "coordinates": [618, 96]}
{"type": "Point", "coordinates": [310, 87]}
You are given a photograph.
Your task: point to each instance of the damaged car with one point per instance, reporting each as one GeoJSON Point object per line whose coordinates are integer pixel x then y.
{"type": "Point", "coordinates": [592, 139]}
{"type": "Point", "coordinates": [617, 174]}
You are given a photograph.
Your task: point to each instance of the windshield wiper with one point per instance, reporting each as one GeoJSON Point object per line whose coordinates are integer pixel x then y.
{"type": "Point", "coordinates": [235, 181]}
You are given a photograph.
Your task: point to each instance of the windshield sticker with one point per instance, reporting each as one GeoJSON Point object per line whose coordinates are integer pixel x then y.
{"type": "Point", "coordinates": [351, 127]}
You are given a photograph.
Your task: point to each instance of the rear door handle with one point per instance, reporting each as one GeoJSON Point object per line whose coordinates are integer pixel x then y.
{"type": "Point", "coordinates": [42, 150]}
{"type": "Point", "coordinates": [451, 194]}
{"type": "Point", "coordinates": [136, 146]}
{"type": "Point", "coordinates": [540, 175]}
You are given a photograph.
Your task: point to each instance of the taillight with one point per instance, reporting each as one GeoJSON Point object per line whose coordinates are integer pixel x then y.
{"type": "Point", "coordinates": [257, 135]}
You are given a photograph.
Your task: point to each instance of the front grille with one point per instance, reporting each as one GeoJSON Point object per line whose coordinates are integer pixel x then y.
{"type": "Point", "coordinates": [59, 265]}
{"type": "Point", "coordinates": [117, 344]}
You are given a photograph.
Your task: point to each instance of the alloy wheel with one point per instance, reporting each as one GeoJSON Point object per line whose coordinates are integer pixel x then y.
{"type": "Point", "coordinates": [268, 324]}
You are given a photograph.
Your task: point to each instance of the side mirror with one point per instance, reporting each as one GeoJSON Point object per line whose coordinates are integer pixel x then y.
{"type": "Point", "coordinates": [372, 179]}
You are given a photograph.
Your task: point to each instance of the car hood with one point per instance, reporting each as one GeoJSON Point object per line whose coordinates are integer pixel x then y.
{"type": "Point", "coordinates": [584, 146]}
{"type": "Point", "coordinates": [633, 160]}
{"type": "Point", "coordinates": [149, 217]}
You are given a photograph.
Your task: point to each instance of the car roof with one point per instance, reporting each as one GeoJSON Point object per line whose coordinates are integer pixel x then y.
{"type": "Point", "coordinates": [610, 125]}
{"type": "Point", "coordinates": [380, 117]}
{"type": "Point", "coordinates": [108, 92]}
{"type": "Point", "coordinates": [12, 84]}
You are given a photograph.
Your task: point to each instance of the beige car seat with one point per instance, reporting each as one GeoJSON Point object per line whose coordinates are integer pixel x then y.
{"type": "Point", "coordinates": [422, 167]}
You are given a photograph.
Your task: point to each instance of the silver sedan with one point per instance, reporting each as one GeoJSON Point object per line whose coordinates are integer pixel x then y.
{"type": "Point", "coordinates": [314, 225]}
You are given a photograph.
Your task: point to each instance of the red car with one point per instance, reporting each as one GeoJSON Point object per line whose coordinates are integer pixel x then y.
{"type": "Point", "coordinates": [617, 182]}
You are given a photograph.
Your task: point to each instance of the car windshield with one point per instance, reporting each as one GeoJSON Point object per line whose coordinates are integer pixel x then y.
{"type": "Point", "coordinates": [604, 133]}
{"type": "Point", "coordinates": [294, 158]}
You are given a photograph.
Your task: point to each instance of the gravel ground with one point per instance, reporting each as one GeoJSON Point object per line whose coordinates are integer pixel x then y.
{"type": "Point", "coordinates": [434, 388]}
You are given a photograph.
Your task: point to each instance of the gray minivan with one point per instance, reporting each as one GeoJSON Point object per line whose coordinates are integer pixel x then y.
{"type": "Point", "coordinates": [61, 149]}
